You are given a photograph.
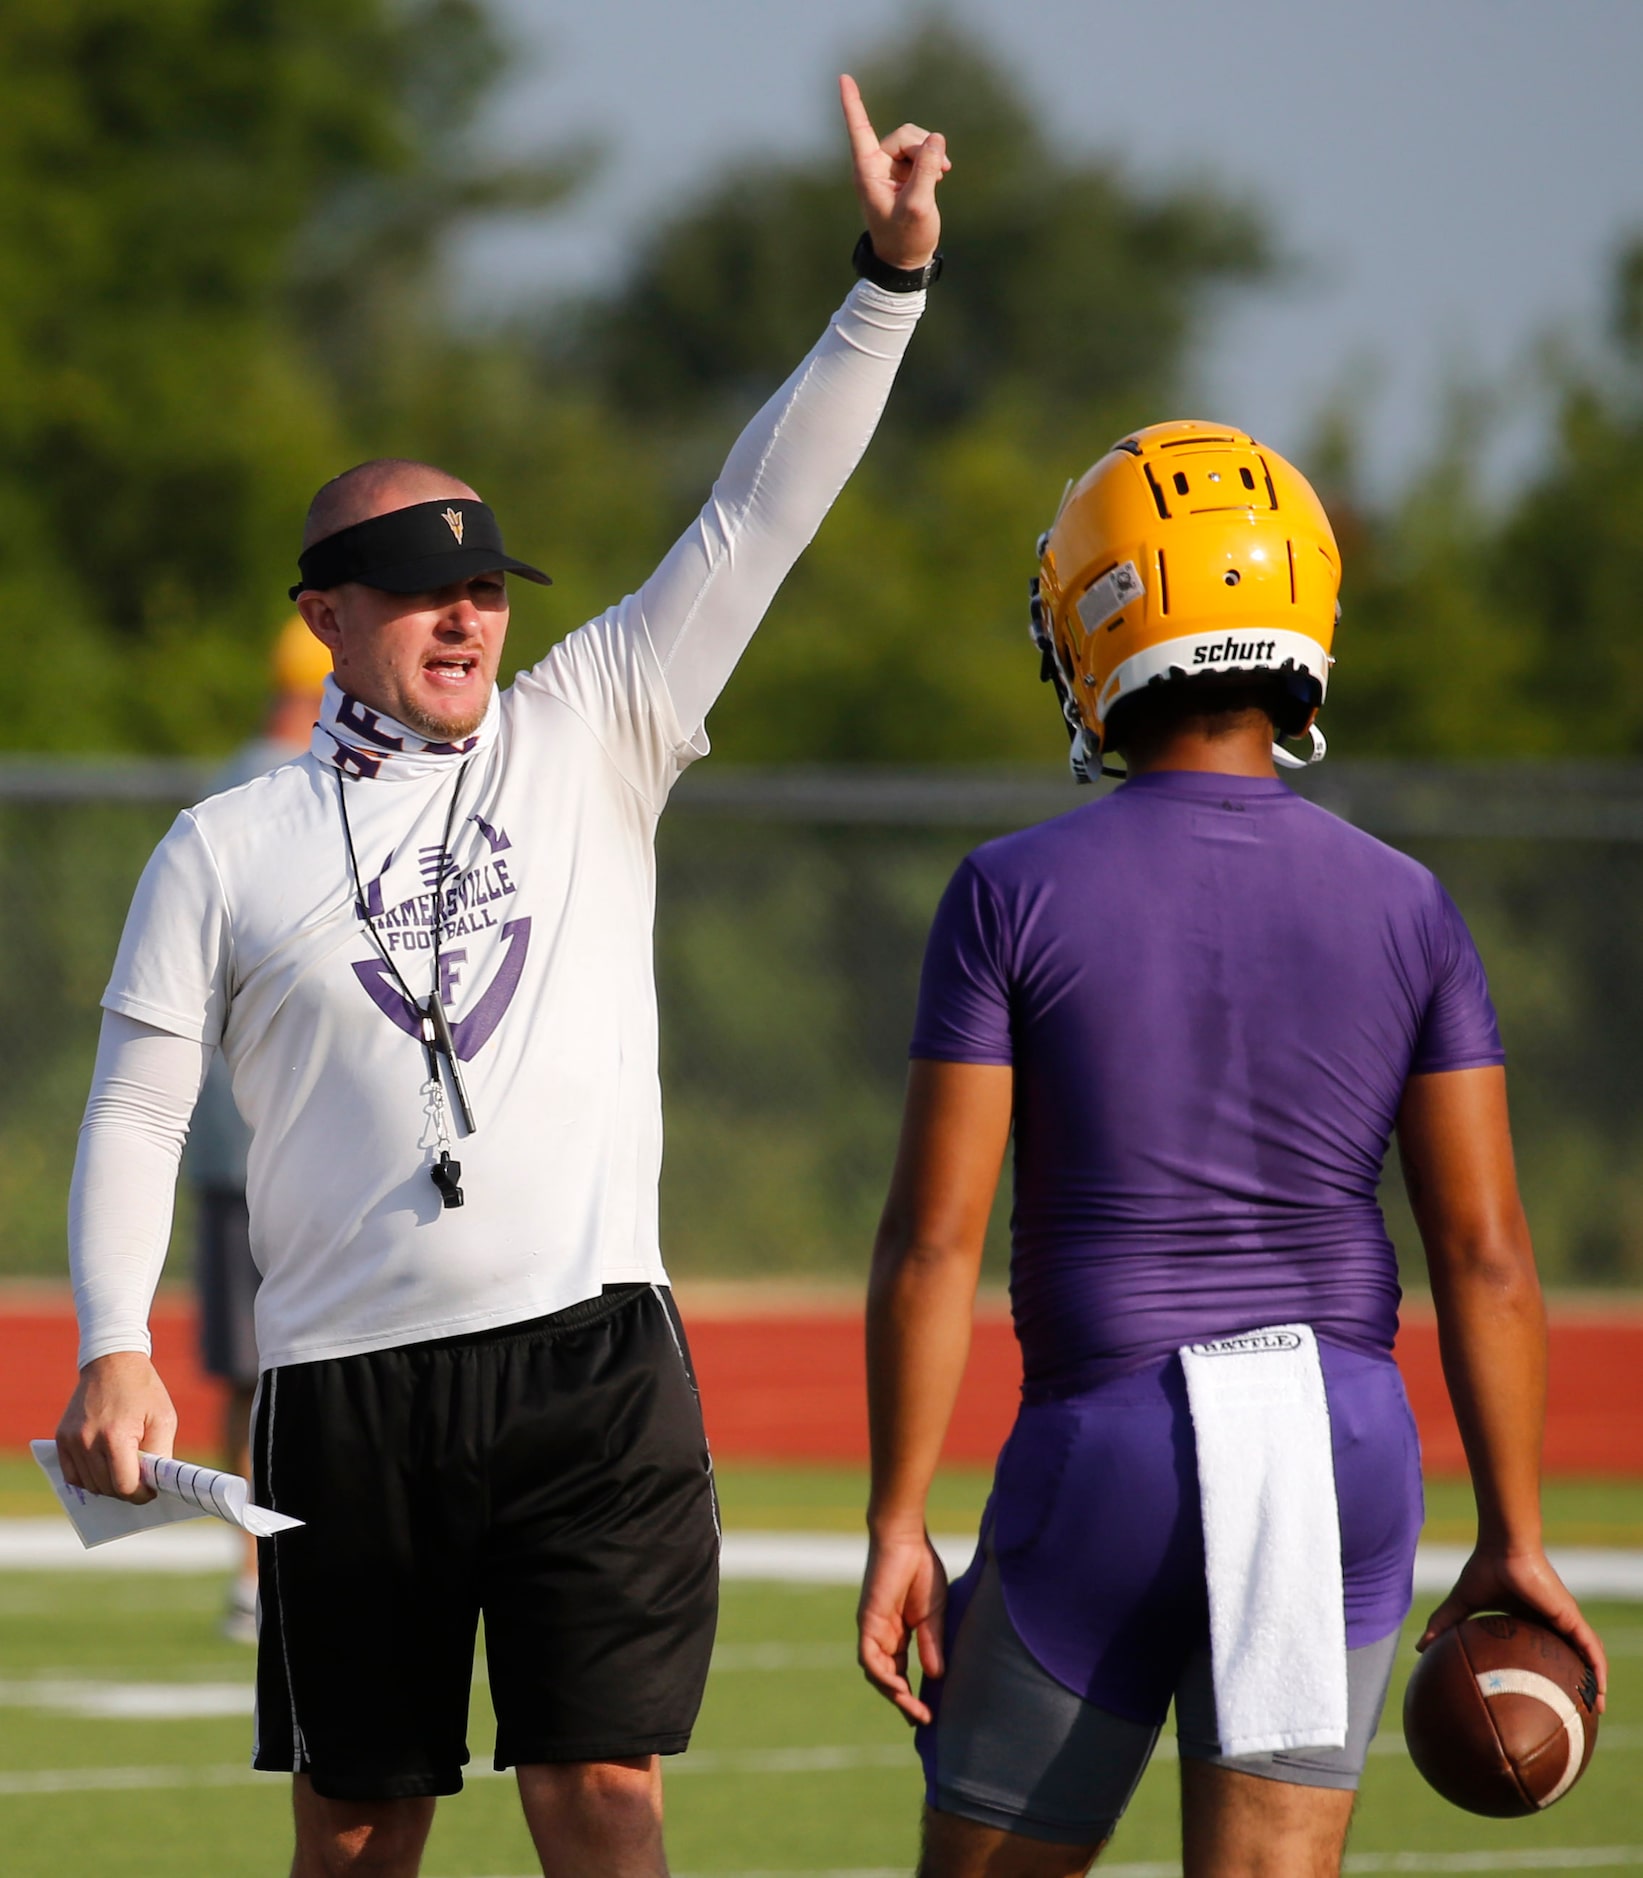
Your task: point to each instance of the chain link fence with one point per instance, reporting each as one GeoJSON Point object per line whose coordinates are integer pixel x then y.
{"type": "Point", "coordinates": [793, 908]}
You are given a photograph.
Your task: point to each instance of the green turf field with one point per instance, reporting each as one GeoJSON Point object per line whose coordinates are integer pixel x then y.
{"type": "Point", "coordinates": [797, 1768]}
{"type": "Point", "coordinates": [830, 1499]}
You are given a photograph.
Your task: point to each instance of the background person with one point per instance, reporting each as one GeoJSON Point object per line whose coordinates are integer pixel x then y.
{"type": "Point", "coordinates": [214, 1161]}
{"type": "Point", "coordinates": [425, 951]}
{"type": "Point", "coordinates": [1204, 1004]}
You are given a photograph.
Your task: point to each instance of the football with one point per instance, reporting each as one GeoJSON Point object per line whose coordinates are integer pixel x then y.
{"type": "Point", "coordinates": [1500, 1716]}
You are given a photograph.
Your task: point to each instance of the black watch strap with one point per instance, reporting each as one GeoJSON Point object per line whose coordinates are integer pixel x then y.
{"type": "Point", "coordinates": [893, 279]}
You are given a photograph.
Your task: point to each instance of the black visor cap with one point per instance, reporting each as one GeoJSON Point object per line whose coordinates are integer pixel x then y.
{"type": "Point", "coordinates": [413, 550]}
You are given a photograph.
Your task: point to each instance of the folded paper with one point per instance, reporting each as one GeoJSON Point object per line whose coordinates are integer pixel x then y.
{"type": "Point", "coordinates": [182, 1490]}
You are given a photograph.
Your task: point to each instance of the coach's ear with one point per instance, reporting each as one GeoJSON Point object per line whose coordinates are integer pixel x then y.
{"type": "Point", "coordinates": [320, 617]}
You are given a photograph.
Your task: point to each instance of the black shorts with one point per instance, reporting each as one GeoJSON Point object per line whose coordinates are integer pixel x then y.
{"type": "Point", "coordinates": [552, 1475]}
{"type": "Point", "coordinates": [226, 1279]}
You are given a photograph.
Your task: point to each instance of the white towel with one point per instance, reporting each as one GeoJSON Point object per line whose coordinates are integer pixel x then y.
{"type": "Point", "coordinates": [1272, 1542]}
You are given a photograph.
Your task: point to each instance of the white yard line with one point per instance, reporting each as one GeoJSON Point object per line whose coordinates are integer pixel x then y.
{"type": "Point", "coordinates": [815, 1558]}
{"type": "Point", "coordinates": [1543, 1858]}
{"type": "Point", "coordinates": [129, 1701]}
{"type": "Point", "coordinates": [122, 1779]}
{"type": "Point", "coordinates": [1589, 1571]}
{"type": "Point", "coordinates": [828, 1558]}
{"type": "Point", "coordinates": [50, 1545]}
{"type": "Point", "coordinates": [731, 1657]}
{"type": "Point", "coordinates": [737, 1761]}
{"type": "Point", "coordinates": [777, 1762]}
{"type": "Point", "coordinates": [792, 1760]}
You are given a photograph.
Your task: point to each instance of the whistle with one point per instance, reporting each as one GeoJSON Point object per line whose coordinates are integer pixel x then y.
{"type": "Point", "coordinates": [446, 1174]}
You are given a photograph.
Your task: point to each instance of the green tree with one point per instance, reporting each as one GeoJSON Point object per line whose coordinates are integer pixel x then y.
{"type": "Point", "coordinates": [204, 209]}
{"type": "Point", "coordinates": [1071, 288]}
{"type": "Point", "coordinates": [1571, 551]}
{"type": "Point", "coordinates": [1072, 300]}
{"type": "Point", "coordinates": [1432, 661]}
{"type": "Point", "coordinates": [1477, 628]}
{"type": "Point", "coordinates": [220, 282]}
{"type": "Point", "coordinates": [156, 157]}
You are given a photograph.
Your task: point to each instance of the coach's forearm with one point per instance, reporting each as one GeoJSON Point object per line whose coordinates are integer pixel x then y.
{"type": "Point", "coordinates": [125, 1177]}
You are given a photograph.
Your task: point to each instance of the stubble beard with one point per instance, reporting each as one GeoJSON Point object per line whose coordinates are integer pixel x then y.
{"type": "Point", "coordinates": [449, 729]}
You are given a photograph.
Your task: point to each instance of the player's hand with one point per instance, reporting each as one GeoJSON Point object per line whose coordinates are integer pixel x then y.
{"type": "Point", "coordinates": [903, 1595]}
{"type": "Point", "coordinates": [896, 181]}
{"type": "Point", "coordinates": [1523, 1584]}
{"type": "Point", "coordinates": [120, 1406]}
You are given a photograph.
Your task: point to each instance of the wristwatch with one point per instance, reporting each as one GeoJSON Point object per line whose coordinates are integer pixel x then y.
{"type": "Point", "coordinates": [893, 279]}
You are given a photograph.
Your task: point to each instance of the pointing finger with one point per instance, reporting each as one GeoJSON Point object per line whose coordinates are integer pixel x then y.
{"type": "Point", "coordinates": [863, 138]}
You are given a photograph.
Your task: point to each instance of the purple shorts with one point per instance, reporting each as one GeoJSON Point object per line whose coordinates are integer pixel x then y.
{"type": "Point", "coordinates": [1094, 1521]}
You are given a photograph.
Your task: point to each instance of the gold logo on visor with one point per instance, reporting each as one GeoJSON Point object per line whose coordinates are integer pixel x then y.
{"type": "Point", "coordinates": [452, 518]}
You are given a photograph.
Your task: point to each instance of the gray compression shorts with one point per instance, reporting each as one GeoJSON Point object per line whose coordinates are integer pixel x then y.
{"type": "Point", "coordinates": [1015, 1749]}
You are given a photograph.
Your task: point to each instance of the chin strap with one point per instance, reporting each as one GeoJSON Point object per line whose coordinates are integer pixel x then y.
{"type": "Point", "coordinates": [1320, 749]}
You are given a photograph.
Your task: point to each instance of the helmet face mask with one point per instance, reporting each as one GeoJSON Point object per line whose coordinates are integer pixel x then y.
{"type": "Point", "coordinates": [1084, 754]}
{"type": "Point", "coordinates": [1187, 551]}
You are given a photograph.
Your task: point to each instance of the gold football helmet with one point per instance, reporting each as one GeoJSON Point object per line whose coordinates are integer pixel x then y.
{"type": "Point", "coordinates": [1188, 549]}
{"type": "Point", "coordinates": [297, 662]}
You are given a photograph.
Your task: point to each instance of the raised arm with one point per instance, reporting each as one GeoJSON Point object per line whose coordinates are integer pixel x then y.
{"type": "Point", "coordinates": [1456, 1146]}
{"type": "Point", "coordinates": [919, 1303]}
{"type": "Point", "coordinates": [702, 604]}
{"type": "Point", "coordinates": [125, 1173]}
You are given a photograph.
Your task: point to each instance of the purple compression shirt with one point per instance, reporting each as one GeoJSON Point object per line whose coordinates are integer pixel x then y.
{"type": "Point", "coordinates": [1212, 993]}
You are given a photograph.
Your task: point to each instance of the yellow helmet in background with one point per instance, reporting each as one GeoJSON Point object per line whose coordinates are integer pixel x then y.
{"type": "Point", "coordinates": [1187, 550]}
{"type": "Point", "coordinates": [298, 663]}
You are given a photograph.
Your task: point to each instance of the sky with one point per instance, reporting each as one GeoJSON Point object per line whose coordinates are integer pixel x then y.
{"type": "Point", "coordinates": [1450, 176]}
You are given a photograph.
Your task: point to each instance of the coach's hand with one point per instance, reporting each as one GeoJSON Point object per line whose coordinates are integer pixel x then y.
{"type": "Point", "coordinates": [896, 181]}
{"type": "Point", "coordinates": [1524, 1584]}
{"type": "Point", "coordinates": [903, 1594]}
{"type": "Point", "coordinates": [120, 1406]}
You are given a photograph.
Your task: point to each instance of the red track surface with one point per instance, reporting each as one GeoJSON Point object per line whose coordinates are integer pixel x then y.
{"type": "Point", "coordinates": [788, 1386]}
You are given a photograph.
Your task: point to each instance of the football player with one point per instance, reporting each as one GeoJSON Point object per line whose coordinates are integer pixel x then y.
{"type": "Point", "coordinates": [1204, 1006]}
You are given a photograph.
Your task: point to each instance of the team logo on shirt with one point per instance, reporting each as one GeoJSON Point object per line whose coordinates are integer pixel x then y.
{"type": "Point", "coordinates": [473, 1031]}
{"type": "Point", "coordinates": [468, 903]}
{"type": "Point", "coordinates": [496, 839]}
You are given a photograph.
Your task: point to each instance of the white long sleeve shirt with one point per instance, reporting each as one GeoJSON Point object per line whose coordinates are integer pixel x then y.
{"type": "Point", "coordinates": [245, 934]}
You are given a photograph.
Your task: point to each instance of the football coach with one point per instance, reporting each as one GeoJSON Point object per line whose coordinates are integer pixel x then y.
{"type": "Point", "coordinates": [424, 952]}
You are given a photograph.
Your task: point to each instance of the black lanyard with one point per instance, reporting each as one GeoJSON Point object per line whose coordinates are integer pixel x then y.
{"type": "Point", "coordinates": [437, 1041]}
